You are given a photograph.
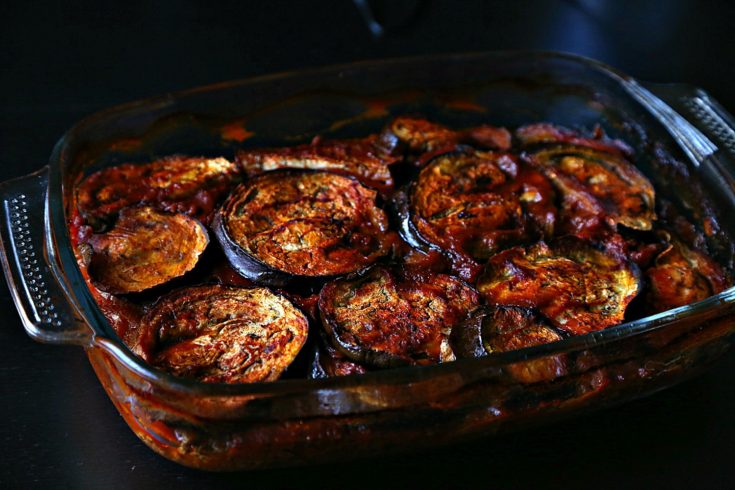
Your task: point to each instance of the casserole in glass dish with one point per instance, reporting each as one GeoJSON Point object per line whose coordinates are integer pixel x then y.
{"type": "Point", "coordinates": [684, 142]}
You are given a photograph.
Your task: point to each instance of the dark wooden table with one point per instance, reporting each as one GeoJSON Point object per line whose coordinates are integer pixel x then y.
{"type": "Point", "coordinates": [63, 61]}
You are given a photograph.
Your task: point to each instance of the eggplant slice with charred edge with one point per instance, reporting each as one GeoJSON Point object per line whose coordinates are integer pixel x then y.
{"type": "Point", "coordinates": [300, 224]}
{"type": "Point", "coordinates": [391, 317]}
{"type": "Point", "coordinates": [364, 159]}
{"type": "Point", "coordinates": [579, 288]}
{"type": "Point", "coordinates": [681, 276]}
{"type": "Point", "coordinates": [508, 328]}
{"type": "Point", "coordinates": [478, 203]}
{"type": "Point", "coordinates": [222, 334]}
{"type": "Point", "coordinates": [472, 204]}
{"type": "Point", "coordinates": [145, 248]}
{"type": "Point", "coordinates": [417, 135]}
{"type": "Point", "coordinates": [328, 362]}
{"type": "Point", "coordinates": [599, 189]}
{"type": "Point", "coordinates": [190, 185]}
{"type": "Point", "coordinates": [545, 134]}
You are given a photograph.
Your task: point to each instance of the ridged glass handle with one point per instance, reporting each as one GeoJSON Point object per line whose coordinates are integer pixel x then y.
{"type": "Point", "coordinates": [703, 112]}
{"type": "Point", "coordinates": [696, 144]}
{"type": "Point", "coordinates": [711, 118]}
{"type": "Point", "coordinates": [44, 309]}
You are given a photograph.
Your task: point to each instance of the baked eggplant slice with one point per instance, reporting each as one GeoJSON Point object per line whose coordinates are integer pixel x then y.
{"type": "Point", "coordinates": [681, 276]}
{"type": "Point", "coordinates": [281, 226]}
{"type": "Point", "coordinates": [471, 204]}
{"type": "Point", "coordinates": [190, 185]}
{"type": "Point", "coordinates": [508, 328]}
{"type": "Point", "coordinates": [579, 288]}
{"type": "Point", "coordinates": [392, 317]}
{"type": "Point", "coordinates": [545, 134]}
{"type": "Point", "coordinates": [597, 185]}
{"type": "Point", "coordinates": [145, 248]}
{"type": "Point", "coordinates": [417, 135]}
{"type": "Point", "coordinates": [221, 334]}
{"type": "Point", "coordinates": [362, 158]}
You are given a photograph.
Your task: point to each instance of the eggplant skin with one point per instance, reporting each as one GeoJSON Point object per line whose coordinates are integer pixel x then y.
{"type": "Point", "coordinates": [362, 158]}
{"type": "Point", "coordinates": [245, 264]}
{"type": "Point", "coordinates": [145, 248]}
{"type": "Point", "coordinates": [579, 288]}
{"type": "Point", "coordinates": [177, 184]}
{"type": "Point", "coordinates": [328, 362]}
{"type": "Point", "coordinates": [406, 134]}
{"type": "Point", "coordinates": [466, 338]}
{"type": "Point", "coordinates": [402, 213]}
{"type": "Point", "coordinates": [288, 225]}
{"type": "Point", "coordinates": [389, 317]}
{"type": "Point", "coordinates": [473, 204]}
{"type": "Point", "coordinates": [598, 189]}
{"type": "Point", "coordinates": [680, 276]}
{"type": "Point", "coordinates": [222, 334]}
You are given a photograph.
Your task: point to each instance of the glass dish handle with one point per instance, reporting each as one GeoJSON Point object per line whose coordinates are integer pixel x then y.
{"type": "Point", "coordinates": [43, 306]}
{"type": "Point", "coordinates": [703, 112]}
{"type": "Point", "coordinates": [711, 118]}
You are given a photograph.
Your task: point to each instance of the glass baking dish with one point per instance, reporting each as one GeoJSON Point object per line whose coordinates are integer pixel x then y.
{"type": "Point", "coordinates": [293, 421]}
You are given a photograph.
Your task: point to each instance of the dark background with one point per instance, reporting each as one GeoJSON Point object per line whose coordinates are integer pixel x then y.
{"type": "Point", "coordinates": [61, 60]}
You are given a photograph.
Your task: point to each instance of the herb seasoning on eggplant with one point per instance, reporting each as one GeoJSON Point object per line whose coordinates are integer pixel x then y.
{"type": "Point", "coordinates": [391, 316]}
{"type": "Point", "coordinates": [503, 241]}
{"type": "Point", "coordinates": [286, 225]}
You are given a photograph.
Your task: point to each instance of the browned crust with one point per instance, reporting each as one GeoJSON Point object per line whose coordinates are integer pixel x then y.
{"type": "Point", "coordinates": [221, 334]}
{"type": "Point", "coordinates": [578, 288]}
{"type": "Point", "coordinates": [389, 317]}
{"type": "Point", "coordinates": [144, 249]}
{"type": "Point", "coordinates": [312, 224]}
{"type": "Point", "coordinates": [474, 205]}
